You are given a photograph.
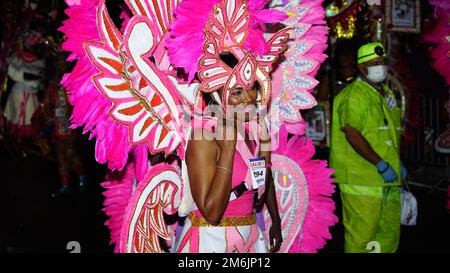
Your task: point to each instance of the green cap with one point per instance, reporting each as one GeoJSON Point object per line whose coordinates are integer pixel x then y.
{"type": "Point", "coordinates": [370, 51]}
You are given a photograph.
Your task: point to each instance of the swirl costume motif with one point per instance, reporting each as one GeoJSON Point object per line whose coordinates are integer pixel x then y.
{"type": "Point", "coordinates": [127, 92]}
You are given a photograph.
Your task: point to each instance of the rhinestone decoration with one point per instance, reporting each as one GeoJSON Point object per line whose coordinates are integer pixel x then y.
{"type": "Point", "coordinates": [301, 48]}
{"type": "Point", "coordinates": [300, 30]}
{"type": "Point", "coordinates": [303, 82]}
{"type": "Point", "coordinates": [303, 100]}
{"type": "Point", "coordinates": [302, 65]}
{"type": "Point", "coordinates": [288, 111]}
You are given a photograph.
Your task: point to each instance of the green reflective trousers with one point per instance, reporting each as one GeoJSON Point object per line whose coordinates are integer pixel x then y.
{"type": "Point", "coordinates": [371, 217]}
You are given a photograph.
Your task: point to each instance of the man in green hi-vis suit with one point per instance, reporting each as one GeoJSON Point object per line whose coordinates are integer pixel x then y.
{"type": "Point", "coordinates": [365, 152]}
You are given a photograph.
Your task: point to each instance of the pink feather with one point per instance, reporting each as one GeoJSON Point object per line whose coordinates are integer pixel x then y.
{"type": "Point", "coordinates": [90, 107]}
{"type": "Point", "coordinates": [185, 44]}
{"type": "Point", "coordinates": [186, 34]}
{"type": "Point", "coordinates": [119, 187]}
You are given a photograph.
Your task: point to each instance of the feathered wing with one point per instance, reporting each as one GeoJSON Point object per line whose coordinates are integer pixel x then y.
{"type": "Point", "coordinates": [303, 188]}
{"type": "Point", "coordinates": [130, 98]}
{"type": "Point", "coordinates": [90, 106]}
{"type": "Point", "coordinates": [122, 94]}
{"type": "Point", "coordinates": [144, 99]}
{"type": "Point", "coordinates": [157, 193]}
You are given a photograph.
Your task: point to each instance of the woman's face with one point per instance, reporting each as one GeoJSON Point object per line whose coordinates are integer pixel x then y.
{"type": "Point", "coordinates": [242, 103]}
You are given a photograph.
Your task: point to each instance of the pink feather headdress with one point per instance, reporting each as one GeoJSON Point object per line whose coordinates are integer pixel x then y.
{"type": "Point", "coordinates": [187, 37]}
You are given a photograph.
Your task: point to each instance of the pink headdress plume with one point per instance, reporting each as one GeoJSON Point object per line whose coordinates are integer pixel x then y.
{"type": "Point", "coordinates": [187, 36]}
{"type": "Point", "coordinates": [226, 32]}
{"type": "Point", "coordinates": [261, 16]}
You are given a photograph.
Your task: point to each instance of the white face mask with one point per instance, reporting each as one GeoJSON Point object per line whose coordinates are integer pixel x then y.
{"type": "Point", "coordinates": [377, 73]}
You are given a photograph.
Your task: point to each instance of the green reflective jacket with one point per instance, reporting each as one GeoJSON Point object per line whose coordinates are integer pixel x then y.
{"type": "Point", "coordinates": [362, 107]}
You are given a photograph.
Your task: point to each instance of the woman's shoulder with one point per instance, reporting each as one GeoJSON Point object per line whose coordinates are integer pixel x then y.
{"type": "Point", "coordinates": [201, 141]}
{"type": "Point", "coordinates": [202, 135]}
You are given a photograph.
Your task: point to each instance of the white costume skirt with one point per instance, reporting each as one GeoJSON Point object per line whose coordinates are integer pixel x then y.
{"type": "Point", "coordinates": [19, 109]}
{"type": "Point", "coordinates": [219, 239]}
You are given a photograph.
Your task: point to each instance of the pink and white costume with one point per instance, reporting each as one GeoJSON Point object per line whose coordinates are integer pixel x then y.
{"type": "Point", "coordinates": [243, 238]}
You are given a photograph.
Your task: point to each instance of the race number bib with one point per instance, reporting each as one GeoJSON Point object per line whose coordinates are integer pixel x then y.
{"type": "Point", "coordinates": [258, 172]}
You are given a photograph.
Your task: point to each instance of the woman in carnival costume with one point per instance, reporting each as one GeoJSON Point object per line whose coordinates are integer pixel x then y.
{"type": "Point", "coordinates": [26, 69]}
{"type": "Point", "coordinates": [127, 90]}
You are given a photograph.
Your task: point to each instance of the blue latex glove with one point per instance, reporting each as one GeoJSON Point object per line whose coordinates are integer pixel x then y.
{"type": "Point", "coordinates": [386, 171]}
{"type": "Point", "coordinates": [403, 170]}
